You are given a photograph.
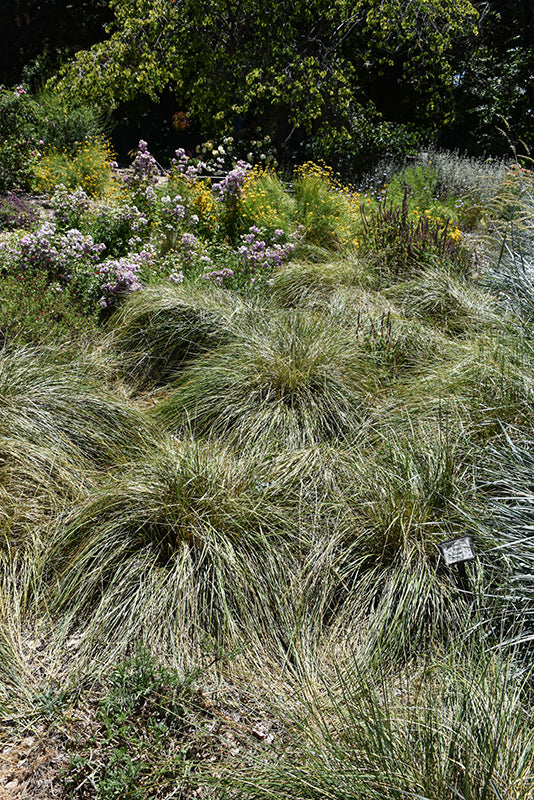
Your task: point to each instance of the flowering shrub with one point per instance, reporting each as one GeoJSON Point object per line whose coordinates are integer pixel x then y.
{"type": "Point", "coordinates": [144, 172]}
{"type": "Point", "coordinates": [183, 166]}
{"type": "Point", "coordinates": [219, 158]}
{"type": "Point", "coordinates": [69, 207]}
{"type": "Point", "coordinates": [118, 277]}
{"type": "Point", "coordinates": [327, 209]}
{"type": "Point", "coordinates": [230, 188]}
{"type": "Point", "coordinates": [229, 192]}
{"type": "Point", "coordinates": [50, 251]}
{"type": "Point", "coordinates": [89, 167]}
{"type": "Point", "coordinates": [174, 217]}
{"type": "Point", "coordinates": [266, 201]}
{"type": "Point", "coordinates": [402, 240]}
{"type": "Point", "coordinates": [218, 276]}
{"type": "Point", "coordinates": [121, 227]}
{"type": "Point", "coordinates": [19, 137]}
{"type": "Point", "coordinates": [259, 254]}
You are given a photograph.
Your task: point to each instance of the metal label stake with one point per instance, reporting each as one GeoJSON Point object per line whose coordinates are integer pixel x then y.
{"type": "Point", "coordinates": [458, 551]}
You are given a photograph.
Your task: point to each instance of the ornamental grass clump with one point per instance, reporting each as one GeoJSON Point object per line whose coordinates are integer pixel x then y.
{"type": "Point", "coordinates": [286, 379]}
{"type": "Point", "coordinates": [393, 506]}
{"type": "Point", "coordinates": [453, 303]}
{"type": "Point", "coordinates": [182, 549]}
{"type": "Point", "coordinates": [304, 283]}
{"type": "Point", "coordinates": [505, 480]}
{"type": "Point", "coordinates": [162, 328]}
{"type": "Point", "coordinates": [489, 379]}
{"type": "Point", "coordinates": [456, 725]}
{"type": "Point", "coordinates": [58, 405]}
{"type": "Point", "coordinates": [38, 479]}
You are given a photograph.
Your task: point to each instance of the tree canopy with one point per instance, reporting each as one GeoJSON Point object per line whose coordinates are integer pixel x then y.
{"type": "Point", "coordinates": [294, 63]}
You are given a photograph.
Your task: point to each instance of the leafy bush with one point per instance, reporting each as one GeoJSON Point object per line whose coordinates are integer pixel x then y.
{"type": "Point", "coordinates": [139, 731]}
{"type": "Point", "coordinates": [33, 311]}
{"type": "Point", "coordinates": [20, 137]}
{"type": "Point", "coordinates": [353, 149]}
{"type": "Point", "coordinates": [66, 122]}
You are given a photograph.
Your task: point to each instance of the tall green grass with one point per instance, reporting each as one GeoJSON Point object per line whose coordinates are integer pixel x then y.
{"type": "Point", "coordinates": [288, 380]}
{"type": "Point", "coordinates": [456, 727]}
{"type": "Point", "coordinates": [184, 548]}
{"type": "Point", "coordinates": [159, 330]}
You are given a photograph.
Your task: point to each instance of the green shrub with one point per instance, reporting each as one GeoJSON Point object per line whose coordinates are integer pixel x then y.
{"type": "Point", "coordinates": [32, 311]}
{"type": "Point", "coordinates": [67, 122]}
{"type": "Point", "coordinates": [20, 137]}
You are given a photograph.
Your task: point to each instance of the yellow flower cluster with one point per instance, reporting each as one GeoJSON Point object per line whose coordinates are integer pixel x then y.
{"type": "Point", "coordinates": [89, 168]}
{"type": "Point", "coordinates": [202, 202]}
{"type": "Point", "coordinates": [264, 200]}
{"type": "Point", "coordinates": [328, 209]}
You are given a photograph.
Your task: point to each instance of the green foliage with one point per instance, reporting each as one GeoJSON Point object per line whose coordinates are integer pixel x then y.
{"type": "Point", "coordinates": [20, 137]}
{"type": "Point", "coordinates": [32, 311]}
{"type": "Point", "coordinates": [365, 138]}
{"type": "Point", "coordinates": [66, 121]}
{"type": "Point", "coordinates": [142, 715]}
{"type": "Point", "coordinates": [216, 61]}
{"type": "Point", "coordinates": [326, 210]}
{"type": "Point", "coordinates": [28, 124]}
{"type": "Point", "coordinates": [270, 473]}
{"type": "Point", "coordinates": [266, 203]}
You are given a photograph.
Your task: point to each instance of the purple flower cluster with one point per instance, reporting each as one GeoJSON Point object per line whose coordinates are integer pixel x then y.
{"type": "Point", "coordinates": [118, 276]}
{"type": "Point", "coordinates": [76, 246]}
{"type": "Point", "coordinates": [47, 250]}
{"type": "Point", "coordinates": [69, 207]}
{"type": "Point", "coordinates": [122, 227]}
{"type": "Point", "coordinates": [174, 211]}
{"type": "Point", "coordinates": [258, 253]}
{"type": "Point", "coordinates": [231, 186]}
{"type": "Point", "coordinates": [182, 165]}
{"type": "Point", "coordinates": [218, 276]}
{"type": "Point", "coordinates": [145, 169]}
{"type": "Point", "coordinates": [189, 246]}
